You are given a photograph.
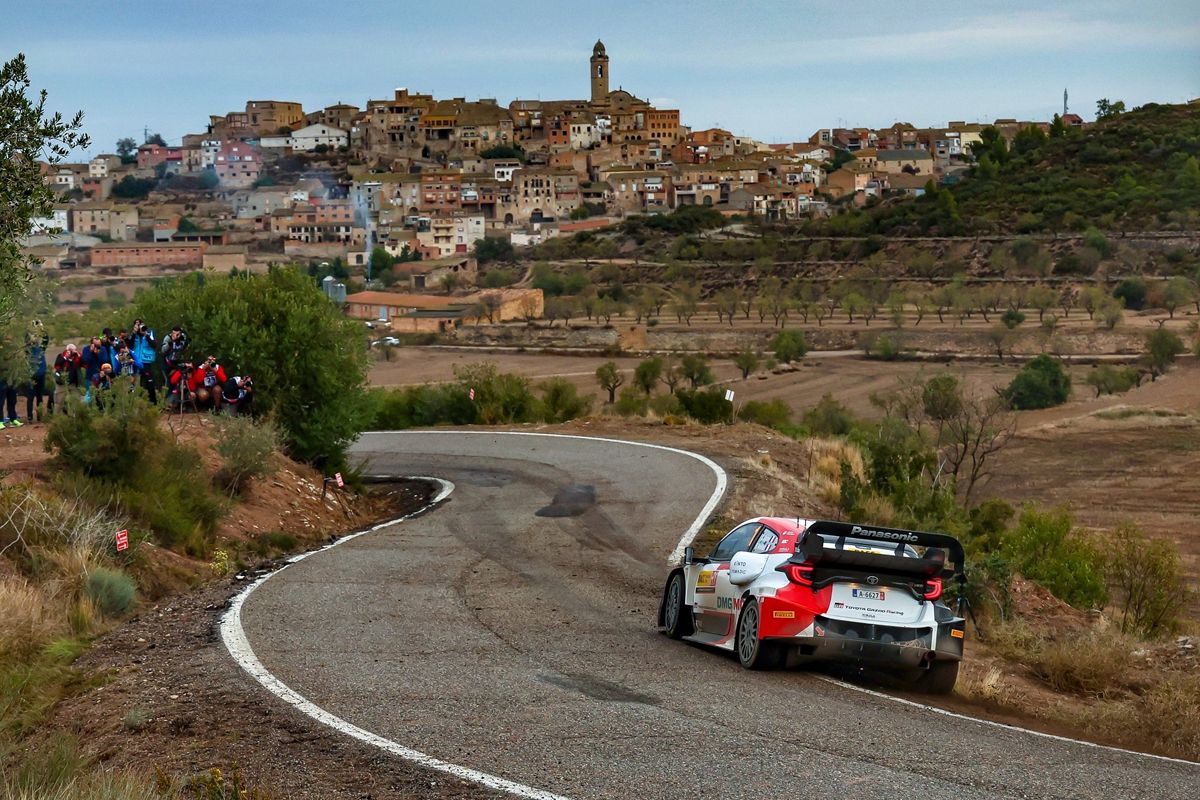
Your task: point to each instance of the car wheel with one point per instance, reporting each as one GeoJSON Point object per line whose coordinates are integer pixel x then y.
{"type": "Point", "coordinates": [753, 652]}
{"type": "Point", "coordinates": [677, 615]}
{"type": "Point", "coordinates": [939, 678]}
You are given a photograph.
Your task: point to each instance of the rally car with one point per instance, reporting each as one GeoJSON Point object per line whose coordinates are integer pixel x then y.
{"type": "Point", "coordinates": [778, 590]}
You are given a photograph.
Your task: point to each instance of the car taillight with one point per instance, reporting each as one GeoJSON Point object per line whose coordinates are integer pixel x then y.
{"type": "Point", "coordinates": [933, 589]}
{"type": "Point", "coordinates": [799, 573]}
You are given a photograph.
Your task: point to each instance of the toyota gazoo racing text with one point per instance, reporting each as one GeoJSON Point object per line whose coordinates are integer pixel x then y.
{"type": "Point", "coordinates": [784, 590]}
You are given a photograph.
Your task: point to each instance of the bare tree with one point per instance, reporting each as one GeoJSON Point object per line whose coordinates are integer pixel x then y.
{"type": "Point", "coordinates": [491, 303]}
{"type": "Point", "coordinates": [969, 439]}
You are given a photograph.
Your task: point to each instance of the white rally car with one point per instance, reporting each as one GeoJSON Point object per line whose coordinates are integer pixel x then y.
{"type": "Point", "coordinates": [776, 590]}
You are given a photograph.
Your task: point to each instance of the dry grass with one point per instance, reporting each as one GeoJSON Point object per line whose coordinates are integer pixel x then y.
{"type": "Point", "coordinates": [31, 524]}
{"type": "Point", "coordinates": [1095, 663]}
{"type": "Point", "coordinates": [825, 459]}
{"type": "Point", "coordinates": [29, 619]}
{"type": "Point", "coordinates": [984, 685]}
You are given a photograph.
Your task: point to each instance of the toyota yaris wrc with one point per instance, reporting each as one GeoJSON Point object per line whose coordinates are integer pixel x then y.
{"type": "Point", "coordinates": [783, 590]}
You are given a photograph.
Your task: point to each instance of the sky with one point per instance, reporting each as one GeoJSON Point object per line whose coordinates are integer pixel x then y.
{"type": "Point", "coordinates": [776, 71]}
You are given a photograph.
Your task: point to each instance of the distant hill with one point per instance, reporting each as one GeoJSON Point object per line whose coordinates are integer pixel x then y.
{"type": "Point", "coordinates": [1137, 171]}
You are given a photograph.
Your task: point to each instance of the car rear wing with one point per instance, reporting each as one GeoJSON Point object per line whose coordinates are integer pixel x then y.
{"type": "Point", "coordinates": [943, 555]}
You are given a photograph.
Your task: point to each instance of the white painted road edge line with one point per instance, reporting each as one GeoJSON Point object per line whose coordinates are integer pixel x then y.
{"type": "Point", "coordinates": [947, 713]}
{"type": "Point", "coordinates": [688, 536]}
{"type": "Point", "coordinates": [238, 646]}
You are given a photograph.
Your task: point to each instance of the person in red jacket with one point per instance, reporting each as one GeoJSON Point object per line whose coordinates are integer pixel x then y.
{"type": "Point", "coordinates": [206, 382]}
{"type": "Point", "coordinates": [67, 368]}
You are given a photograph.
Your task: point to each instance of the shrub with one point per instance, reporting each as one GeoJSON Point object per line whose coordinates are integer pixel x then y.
{"type": "Point", "coordinates": [307, 359]}
{"type": "Point", "coordinates": [789, 346]}
{"type": "Point", "coordinates": [666, 405]}
{"type": "Point", "coordinates": [1041, 383]}
{"type": "Point", "coordinates": [632, 403]}
{"type": "Point", "coordinates": [1097, 240]}
{"type": "Point", "coordinates": [706, 406]}
{"type": "Point", "coordinates": [561, 400]}
{"type": "Point", "coordinates": [1107, 379]}
{"type": "Point", "coordinates": [121, 460]}
{"type": "Point", "coordinates": [1133, 292]}
{"type": "Point", "coordinates": [829, 418]}
{"type": "Point", "coordinates": [246, 449]}
{"type": "Point", "coordinates": [772, 414]}
{"type": "Point", "coordinates": [882, 347]}
{"type": "Point", "coordinates": [112, 591]}
{"type": "Point", "coordinates": [500, 397]}
{"type": "Point", "coordinates": [1148, 580]}
{"type": "Point", "coordinates": [109, 443]}
{"type": "Point", "coordinates": [1012, 318]}
{"type": "Point", "coordinates": [1046, 548]}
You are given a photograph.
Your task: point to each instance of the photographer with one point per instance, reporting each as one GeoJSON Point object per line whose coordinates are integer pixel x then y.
{"type": "Point", "coordinates": [92, 357]}
{"type": "Point", "coordinates": [238, 393]}
{"type": "Point", "coordinates": [66, 373]}
{"type": "Point", "coordinates": [207, 381]}
{"type": "Point", "coordinates": [127, 365]}
{"type": "Point", "coordinates": [145, 350]}
{"type": "Point", "coordinates": [102, 384]}
{"type": "Point", "coordinates": [172, 350]}
{"type": "Point", "coordinates": [36, 341]}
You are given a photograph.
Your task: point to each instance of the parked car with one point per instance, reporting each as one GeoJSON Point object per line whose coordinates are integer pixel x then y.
{"type": "Point", "coordinates": [784, 590]}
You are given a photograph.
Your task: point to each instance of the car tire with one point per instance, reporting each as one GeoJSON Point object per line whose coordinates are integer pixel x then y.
{"type": "Point", "coordinates": [753, 652]}
{"type": "Point", "coordinates": [939, 678]}
{"type": "Point", "coordinates": [677, 615]}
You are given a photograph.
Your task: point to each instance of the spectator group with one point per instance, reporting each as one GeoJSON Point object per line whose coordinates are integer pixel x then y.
{"type": "Point", "coordinates": [131, 360]}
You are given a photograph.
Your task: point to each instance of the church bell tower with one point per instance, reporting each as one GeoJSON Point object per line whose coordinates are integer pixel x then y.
{"type": "Point", "coordinates": [599, 74]}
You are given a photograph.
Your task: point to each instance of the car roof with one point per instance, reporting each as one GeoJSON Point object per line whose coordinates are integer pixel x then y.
{"type": "Point", "coordinates": [784, 524]}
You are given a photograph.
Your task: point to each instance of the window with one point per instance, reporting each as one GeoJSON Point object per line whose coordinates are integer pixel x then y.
{"type": "Point", "coordinates": [736, 541]}
{"type": "Point", "coordinates": [766, 541]}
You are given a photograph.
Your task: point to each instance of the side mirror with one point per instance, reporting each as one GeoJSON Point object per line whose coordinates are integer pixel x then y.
{"type": "Point", "coordinates": [689, 555]}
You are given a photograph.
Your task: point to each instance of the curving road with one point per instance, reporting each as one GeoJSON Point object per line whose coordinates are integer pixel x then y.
{"type": "Point", "coordinates": [523, 645]}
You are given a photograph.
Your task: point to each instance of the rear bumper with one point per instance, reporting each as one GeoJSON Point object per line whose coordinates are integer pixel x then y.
{"type": "Point", "coordinates": [840, 640]}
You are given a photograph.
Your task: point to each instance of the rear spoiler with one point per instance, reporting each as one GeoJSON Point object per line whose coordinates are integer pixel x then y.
{"type": "Point", "coordinates": [839, 532]}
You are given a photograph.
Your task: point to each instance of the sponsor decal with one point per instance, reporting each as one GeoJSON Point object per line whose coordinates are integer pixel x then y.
{"type": "Point", "coordinates": [891, 536]}
{"type": "Point", "coordinates": [729, 603]}
{"type": "Point", "coordinates": [706, 581]}
{"type": "Point", "coordinates": [956, 633]}
{"type": "Point", "coordinates": [839, 605]}
{"type": "Point", "coordinates": [874, 612]}
{"type": "Point", "coordinates": [785, 615]}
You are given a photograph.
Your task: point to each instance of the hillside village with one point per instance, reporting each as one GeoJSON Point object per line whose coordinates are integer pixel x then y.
{"type": "Point", "coordinates": [425, 178]}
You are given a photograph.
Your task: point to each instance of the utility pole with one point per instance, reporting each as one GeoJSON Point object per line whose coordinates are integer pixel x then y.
{"type": "Point", "coordinates": [1064, 102]}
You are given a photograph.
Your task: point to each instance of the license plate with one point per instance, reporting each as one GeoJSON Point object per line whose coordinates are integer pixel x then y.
{"type": "Point", "coordinates": [867, 594]}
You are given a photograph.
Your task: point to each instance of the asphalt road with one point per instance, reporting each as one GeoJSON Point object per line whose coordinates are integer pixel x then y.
{"type": "Point", "coordinates": [524, 646]}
